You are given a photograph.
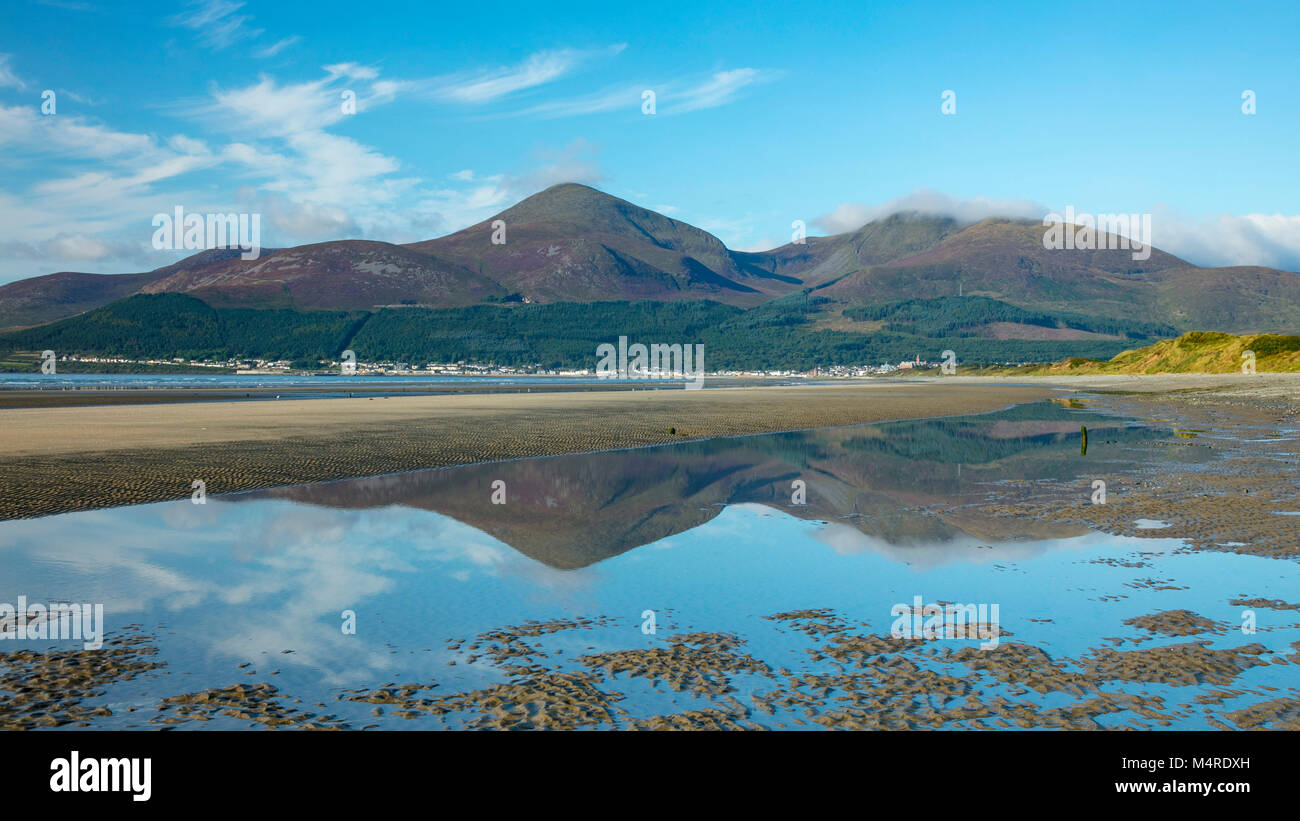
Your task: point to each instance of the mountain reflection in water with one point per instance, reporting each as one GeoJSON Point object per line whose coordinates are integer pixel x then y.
{"type": "Point", "coordinates": [896, 484]}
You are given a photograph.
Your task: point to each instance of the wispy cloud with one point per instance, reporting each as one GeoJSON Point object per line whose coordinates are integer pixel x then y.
{"type": "Point", "coordinates": [268, 107]}
{"type": "Point", "coordinates": [678, 96]}
{"type": "Point", "coordinates": [314, 185]}
{"type": "Point", "coordinates": [97, 207]}
{"type": "Point", "coordinates": [487, 85]}
{"type": "Point", "coordinates": [71, 247]}
{"type": "Point", "coordinates": [478, 196]}
{"type": "Point", "coordinates": [720, 89]}
{"type": "Point", "coordinates": [311, 183]}
{"type": "Point", "coordinates": [23, 128]}
{"type": "Point", "coordinates": [576, 162]}
{"type": "Point", "coordinates": [850, 216]}
{"type": "Point", "coordinates": [277, 47]}
{"type": "Point", "coordinates": [626, 97]}
{"type": "Point", "coordinates": [218, 23]}
{"type": "Point", "coordinates": [7, 76]}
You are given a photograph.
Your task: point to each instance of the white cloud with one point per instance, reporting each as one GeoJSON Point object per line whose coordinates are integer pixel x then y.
{"type": "Point", "coordinates": [627, 98]}
{"type": "Point", "coordinates": [125, 164]}
{"type": "Point", "coordinates": [312, 185]}
{"type": "Point", "coordinates": [7, 76]}
{"type": "Point", "coordinates": [339, 186]}
{"type": "Point", "coordinates": [352, 71]}
{"type": "Point", "coordinates": [678, 96]}
{"type": "Point", "coordinates": [719, 89]}
{"type": "Point", "coordinates": [345, 188]}
{"type": "Point", "coordinates": [538, 69]}
{"type": "Point", "coordinates": [450, 209]}
{"type": "Point", "coordinates": [217, 23]}
{"type": "Point", "coordinates": [1271, 240]}
{"type": "Point", "coordinates": [267, 108]}
{"type": "Point", "coordinates": [309, 184]}
{"type": "Point", "coordinates": [25, 127]}
{"type": "Point", "coordinates": [850, 216]}
{"type": "Point", "coordinates": [576, 162]}
{"type": "Point", "coordinates": [277, 47]}
{"type": "Point", "coordinates": [303, 221]}
{"type": "Point", "coordinates": [72, 247]}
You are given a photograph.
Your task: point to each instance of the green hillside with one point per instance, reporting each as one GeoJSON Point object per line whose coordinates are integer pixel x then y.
{"type": "Point", "coordinates": [170, 325]}
{"type": "Point", "coordinates": [963, 316]}
{"type": "Point", "coordinates": [784, 334]}
{"type": "Point", "coordinates": [1195, 352]}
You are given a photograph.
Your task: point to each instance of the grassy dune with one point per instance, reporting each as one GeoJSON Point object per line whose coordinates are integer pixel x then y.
{"type": "Point", "coordinates": [1195, 352]}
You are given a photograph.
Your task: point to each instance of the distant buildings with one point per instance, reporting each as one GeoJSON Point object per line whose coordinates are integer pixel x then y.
{"type": "Point", "coordinates": [284, 366]}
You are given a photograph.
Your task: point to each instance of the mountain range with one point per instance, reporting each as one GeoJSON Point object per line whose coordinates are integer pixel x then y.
{"type": "Point", "coordinates": [572, 244]}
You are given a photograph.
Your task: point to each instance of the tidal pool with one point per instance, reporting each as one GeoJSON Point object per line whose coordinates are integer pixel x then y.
{"type": "Point", "coordinates": [744, 582]}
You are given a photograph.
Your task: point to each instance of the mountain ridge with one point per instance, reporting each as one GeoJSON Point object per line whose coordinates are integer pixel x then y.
{"type": "Point", "coordinates": [574, 243]}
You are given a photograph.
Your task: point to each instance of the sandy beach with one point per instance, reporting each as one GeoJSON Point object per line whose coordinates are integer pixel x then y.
{"type": "Point", "coordinates": [77, 458]}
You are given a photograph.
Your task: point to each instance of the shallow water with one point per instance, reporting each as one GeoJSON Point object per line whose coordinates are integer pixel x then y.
{"type": "Point", "coordinates": [704, 535]}
{"type": "Point", "coordinates": [302, 386]}
{"type": "Point", "coordinates": [159, 381]}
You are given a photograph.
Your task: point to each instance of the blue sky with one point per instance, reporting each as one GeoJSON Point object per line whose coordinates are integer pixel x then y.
{"type": "Point", "coordinates": [827, 112]}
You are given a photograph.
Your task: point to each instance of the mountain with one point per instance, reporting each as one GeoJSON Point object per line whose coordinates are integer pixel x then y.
{"type": "Point", "coordinates": [571, 243]}
{"type": "Point", "coordinates": [574, 244]}
{"type": "Point", "coordinates": [1006, 260]}
{"type": "Point", "coordinates": [343, 275]}
{"type": "Point", "coordinates": [819, 261]}
{"type": "Point", "coordinates": [46, 298]}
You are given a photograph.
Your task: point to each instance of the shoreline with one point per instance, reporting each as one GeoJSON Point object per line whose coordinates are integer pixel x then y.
{"type": "Point", "coordinates": [80, 458]}
{"type": "Point", "coordinates": [96, 396]}
{"type": "Point", "coordinates": [1222, 504]}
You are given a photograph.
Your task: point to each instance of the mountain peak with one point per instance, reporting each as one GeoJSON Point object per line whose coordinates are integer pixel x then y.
{"type": "Point", "coordinates": [572, 202]}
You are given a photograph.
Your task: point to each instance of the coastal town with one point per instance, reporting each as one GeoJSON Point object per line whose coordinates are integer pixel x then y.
{"type": "Point", "coordinates": [265, 367]}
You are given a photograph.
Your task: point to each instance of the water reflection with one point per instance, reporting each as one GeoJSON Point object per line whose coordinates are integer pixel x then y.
{"type": "Point", "coordinates": [898, 485]}
{"type": "Point", "coordinates": [252, 588]}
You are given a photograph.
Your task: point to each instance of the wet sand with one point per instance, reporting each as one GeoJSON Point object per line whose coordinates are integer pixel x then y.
{"type": "Point", "coordinates": [860, 678]}
{"type": "Point", "coordinates": [60, 459]}
{"type": "Point", "coordinates": [85, 396]}
{"type": "Point", "coordinates": [1241, 501]}
{"type": "Point", "coordinates": [79, 458]}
